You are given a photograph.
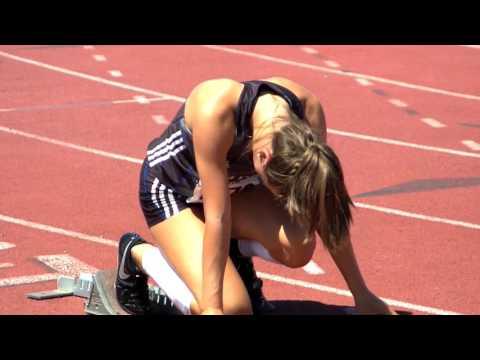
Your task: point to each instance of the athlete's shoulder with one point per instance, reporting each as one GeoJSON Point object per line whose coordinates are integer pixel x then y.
{"type": "Point", "coordinates": [215, 92]}
{"type": "Point", "coordinates": [211, 104]}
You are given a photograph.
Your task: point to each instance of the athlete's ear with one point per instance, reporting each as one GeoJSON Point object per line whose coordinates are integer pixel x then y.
{"type": "Point", "coordinates": [264, 156]}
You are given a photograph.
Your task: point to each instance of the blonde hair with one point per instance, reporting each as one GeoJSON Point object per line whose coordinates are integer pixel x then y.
{"type": "Point", "coordinates": [309, 178]}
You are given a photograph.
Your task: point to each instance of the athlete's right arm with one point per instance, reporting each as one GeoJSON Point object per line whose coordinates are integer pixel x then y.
{"type": "Point", "coordinates": [209, 110]}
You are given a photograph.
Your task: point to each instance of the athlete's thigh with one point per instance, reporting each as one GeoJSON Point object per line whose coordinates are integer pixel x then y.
{"type": "Point", "coordinates": [257, 215]}
{"type": "Point", "coordinates": [180, 238]}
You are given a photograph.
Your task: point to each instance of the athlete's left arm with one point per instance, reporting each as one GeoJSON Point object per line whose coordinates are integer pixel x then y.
{"type": "Point", "coordinates": [314, 113]}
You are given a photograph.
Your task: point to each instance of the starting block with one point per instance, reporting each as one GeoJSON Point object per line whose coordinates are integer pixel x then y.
{"type": "Point", "coordinates": [99, 291]}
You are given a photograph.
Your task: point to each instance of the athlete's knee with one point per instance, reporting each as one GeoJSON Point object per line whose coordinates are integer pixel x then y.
{"type": "Point", "coordinates": [298, 254]}
{"type": "Point", "coordinates": [238, 307]}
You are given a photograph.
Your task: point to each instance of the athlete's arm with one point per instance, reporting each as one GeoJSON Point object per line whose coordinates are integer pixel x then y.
{"type": "Point", "coordinates": [210, 112]}
{"type": "Point", "coordinates": [313, 108]}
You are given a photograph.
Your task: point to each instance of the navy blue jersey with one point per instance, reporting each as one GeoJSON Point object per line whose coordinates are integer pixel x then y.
{"type": "Point", "coordinates": [170, 157]}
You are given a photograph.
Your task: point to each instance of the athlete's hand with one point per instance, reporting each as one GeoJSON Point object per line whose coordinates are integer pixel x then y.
{"type": "Point", "coordinates": [369, 303]}
{"type": "Point", "coordinates": [212, 311]}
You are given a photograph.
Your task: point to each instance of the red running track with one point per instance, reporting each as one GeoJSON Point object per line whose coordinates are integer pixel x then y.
{"type": "Point", "coordinates": [419, 262]}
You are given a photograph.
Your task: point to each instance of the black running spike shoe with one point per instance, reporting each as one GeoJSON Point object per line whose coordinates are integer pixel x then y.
{"type": "Point", "coordinates": [131, 284]}
{"type": "Point", "coordinates": [244, 266]}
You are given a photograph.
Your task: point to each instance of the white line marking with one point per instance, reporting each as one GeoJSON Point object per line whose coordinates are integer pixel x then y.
{"type": "Point", "coordinates": [115, 73]}
{"type": "Point", "coordinates": [66, 264]}
{"type": "Point", "coordinates": [141, 99]}
{"type": "Point", "coordinates": [471, 144]}
{"type": "Point", "coordinates": [312, 268]}
{"type": "Point", "coordinates": [6, 245]}
{"type": "Point", "coordinates": [160, 119]}
{"type": "Point", "coordinates": [418, 216]}
{"type": "Point", "coordinates": [472, 46]}
{"type": "Point", "coordinates": [133, 100]}
{"type": "Point", "coordinates": [91, 77]}
{"type": "Point", "coordinates": [100, 58]}
{"type": "Point", "coordinates": [341, 292]}
{"type": "Point", "coordinates": [342, 73]}
{"type": "Point", "coordinates": [56, 230]}
{"type": "Point", "coordinates": [433, 123]}
{"type": "Point", "coordinates": [80, 236]}
{"type": "Point", "coordinates": [403, 143]}
{"type": "Point", "coordinates": [86, 104]}
{"type": "Point", "coordinates": [71, 146]}
{"type": "Point", "coordinates": [363, 82]}
{"type": "Point", "coordinates": [309, 50]}
{"type": "Point", "coordinates": [332, 64]}
{"type": "Point", "coordinates": [398, 103]}
{"type": "Point", "coordinates": [6, 265]}
{"type": "Point", "coordinates": [89, 47]}
{"type": "Point", "coordinates": [22, 280]}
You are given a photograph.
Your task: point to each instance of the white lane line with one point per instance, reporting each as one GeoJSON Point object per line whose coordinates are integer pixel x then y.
{"type": "Point", "coordinates": [139, 161]}
{"type": "Point", "coordinates": [99, 58]}
{"type": "Point", "coordinates": [56, 230]}
{"type": "Point", "coordinates": [141, 99]}
{"type": "Point", "coordinates": [417, 216]}
{"type": "Point", "coordinates": [281, 279]}
{"type": "Point", "coordinates": [86, 104]}
{"type": "Point", "coordinates": [403, 143]}
{"type": "Point", "coordinates": [433, 123]}
{"type": "Point", "coordinates": [6, 265]}
{"type": "Point", "coordinates": [91, 77]}
{"type": "Point", "coordinates": [471, 144]}
{"type": "Point", "coordinates": [363, 82]}
{"type": "Point", "coordinates": [22, 280]}
{"type": "Point", "coordinates": [66, 264]}
{"type": "Point", "coordinates": [398, 103]}
{"type": "Point", "coordinates": [341, 292]}
{"type": "Point", "coordinates": [343, 73]}
{"type": "Point", "coordinates": [115, 73]}
{"type": "Point", "coordinates": [312, 268]}
{"type": "Point", "coordinates": [160, 119]}
{"type": "Point", "coordinates": [6, 245]}
{"type": "Point", "coordinates": [309, 50]}
{"type": "Point", "coordinates": [71, 146]}
{"type": "Point", "coordinates": [88, 47]}
{"type": "Point", "coordinates": [135, 101]}
{"type": "Point", "coordinates": [332, 64]}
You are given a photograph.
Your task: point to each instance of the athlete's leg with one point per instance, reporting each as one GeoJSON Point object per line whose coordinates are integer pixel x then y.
{"type": "Point", "coordinates": [257, 216]}
{"type": "Point", "coordinates": [180, 239]}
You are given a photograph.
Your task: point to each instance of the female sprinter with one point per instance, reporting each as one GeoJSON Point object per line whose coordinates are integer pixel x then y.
{"type": "Point", "coordinates": [247, 161]}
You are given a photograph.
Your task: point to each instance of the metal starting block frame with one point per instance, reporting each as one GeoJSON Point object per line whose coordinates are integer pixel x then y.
{"type": "Point", "coordinates": [99, 291]}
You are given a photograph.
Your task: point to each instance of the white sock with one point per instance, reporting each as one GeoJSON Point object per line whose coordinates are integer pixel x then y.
{"type": "Point", "coordinates": [251, 248]}
{"type": "Point", "coordinates": [158, 268]}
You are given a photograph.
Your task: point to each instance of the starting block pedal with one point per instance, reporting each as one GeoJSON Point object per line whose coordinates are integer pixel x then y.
{"type": "Point", "coordinates": [67, 286]}
{"type": "Point", "coordinates": [99, 291]}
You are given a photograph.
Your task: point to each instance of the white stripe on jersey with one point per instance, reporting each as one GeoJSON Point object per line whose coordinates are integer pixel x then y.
{"type": "Point", "coordinates": [165, 142]}
{"type": "Point", "coordinates": [163, 201]}
{"type": "Point", "coordinates": [172, 201]}
{"type": "Point", "coordinates": [154, 192]}
{"type": "Point", "coordinates": [165, 149]}
{"type": "Point", "coordinates": [167, 156]}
